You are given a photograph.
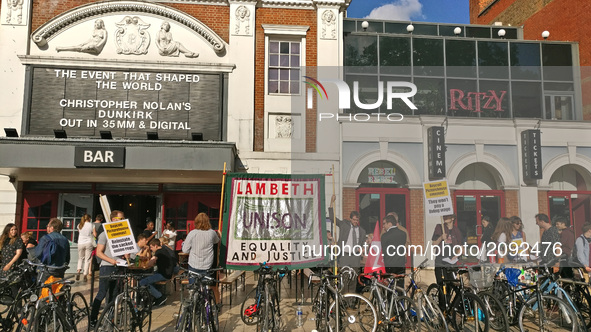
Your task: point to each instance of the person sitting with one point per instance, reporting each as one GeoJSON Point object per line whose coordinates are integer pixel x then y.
{"type": "Point", "coordinates": [144, 252]}
{"type": "Point", "coordinates": [166, 267]}
{"type": "Point", "coordinates": [170, 235]}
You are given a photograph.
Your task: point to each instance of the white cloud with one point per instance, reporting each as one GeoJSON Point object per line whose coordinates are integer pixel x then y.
{"type": "Point", "coordinates": [400, 10]}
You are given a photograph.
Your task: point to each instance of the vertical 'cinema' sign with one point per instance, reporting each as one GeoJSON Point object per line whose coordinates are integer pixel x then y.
{"type": "Point", "coordinates": [531, 153]}
{"type": "Point", "coordinates": [436, 147]}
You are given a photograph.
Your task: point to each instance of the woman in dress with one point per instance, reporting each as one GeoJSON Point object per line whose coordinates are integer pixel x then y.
{"type": "Point", "coordinates": [11, 248]}
{"type": "Point", "coordinates": [84, 246]}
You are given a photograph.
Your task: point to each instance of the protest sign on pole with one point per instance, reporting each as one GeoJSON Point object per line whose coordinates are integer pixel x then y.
{"type": "Point", "coordinates": [105, 207]}
{"type": "Point", "coordinates": [120, 238]}
{"type": "Point", "coordinates": [273, 218]}
{"type": "Point", "coordinates": [437, 198]}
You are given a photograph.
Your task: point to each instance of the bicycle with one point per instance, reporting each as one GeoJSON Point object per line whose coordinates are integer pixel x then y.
{"type": "Point", "coordinates": [131, 310]}
{"type": "Point", "coordinates": [481, 279]}
{"type": "Point", "coordinates": [528, 306]}
{"type": "Point", "coordinates": [580, 294]}
{"type": "Point", "coordinates": [337, 312]}
{"type": "Point", "coordinates": [12, 304]}
{"type": "Point", "coordinates": [199, 311]}
{"type": "Point", "coordinates": [60, 310]}
{"type": "Point", "coordinates": [429, 312]}
{"type": "Point", "coordinates": [261, 305]}
{"type": "Point", "coordinates": [460, 305]}
{"type": "Point", "coordinates": [395, 311]}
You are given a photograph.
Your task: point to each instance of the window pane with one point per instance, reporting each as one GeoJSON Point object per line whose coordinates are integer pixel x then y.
{"type": "Point", "coordinates": [563, 107]}
{"type": "Point", "coordinates": [396, 27]}
{"type": "Point", "coordinates": [428, 57]}
{"type": "Point", "coordinates": [525, 60]}
{"type": "Point", "coordinates": [430, 97]}
{"type": "Point", "coordinates": [284, 47]}
{"type": "Point", "coordinates": [284, 74]}
{"type": "Point", "coordinates": [274, 47]}
{"type": "Point", "coordinates": [548, 106]}
{"type": "Point", "coordinates": [68, 209]}
{"type": "Point", "coordinates": [294, 87]}
{"type": "Point", "coordinates": [447, 30]}
{"type": "Point", "coordinates": [460, 56]}
{"type": "Point", "coordinates": [368, 91]}
{"type": "Point", "coordinates": [284, 61]}
{"type": "Point", "coordinates": [273, 75]}
{"type": "Point", "coordinates": [549, 86]}
{"type": "Point", "coordinates": [295, 75]}
{"type": "Point", "coordinates": [494, 99]}
{"type": "Point", "coordinates": [361, 51]}
{"type": "Point", "coordinates": [461, 98]}
{"type": "Point", "coordinates": [43, 223]}
{"type": "Point", "coordinates": [395, 55]}
{"type": "Point", "coordinates": [283, 87]}
{"type": "Point", "coordinates": [32, 212]}
{"type": "Point", "coordinates": [295, 60]}
{"type": "Point", "coordinates": [273, 87]}
{"type": "Point", "coordinates": [348, 26]}
{"type": "Point", "coordinates": [527, 99]}
{"type": "Point", "coordinates": [274, 60]}
{"type": "Point", "coordinates": [31, 223]}
{"type": "Point", "coordinates": [425, 29]}
{"type": "Point", "coordinates": [46, 209]}
{"type": "Point", "coordinates": [557, 61]}
{"type": "Point", "coordinates": [295, 48]}
{"type": "Point", "coordinates": [493, 60]}
{"type": "Point", "coordinates": [477, 32]}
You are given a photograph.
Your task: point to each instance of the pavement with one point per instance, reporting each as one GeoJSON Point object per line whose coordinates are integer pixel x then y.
{"type": "Point", "coordinates": [164, 317]}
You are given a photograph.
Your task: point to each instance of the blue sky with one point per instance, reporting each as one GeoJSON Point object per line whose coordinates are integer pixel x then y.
{"type": "Point", "coordinates": [438, 11]}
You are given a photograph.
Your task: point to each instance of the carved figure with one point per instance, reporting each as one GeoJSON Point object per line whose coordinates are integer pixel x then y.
{"type": "Point", "coordinates": [283, 127]}
{"type": "Point", "coordinates": [92, 46]}
{"type": "Point", "coordinates": [15, 11]}
{"type": "Point", "coordinates": [329, 25]}
{"type": "Point", "coordinates": [242, 19]}
{"type": "Point", "coordinates": [167, 46]}
{"type": "Point", "coordinates": [132, 37]}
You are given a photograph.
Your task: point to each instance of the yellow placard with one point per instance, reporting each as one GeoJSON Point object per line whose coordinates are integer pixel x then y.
{"type": "Point", "coordinates": [436, 189]}
{"type": "Point", "coordinates": [117, 229]}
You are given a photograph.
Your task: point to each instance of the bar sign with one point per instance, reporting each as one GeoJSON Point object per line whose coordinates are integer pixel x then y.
{"type": "Point", "coordinates": [436, 152]}
{"type": "Point", "coordinates": [531, 153]}
{"type": "Point", "coordinates": [99, 157]}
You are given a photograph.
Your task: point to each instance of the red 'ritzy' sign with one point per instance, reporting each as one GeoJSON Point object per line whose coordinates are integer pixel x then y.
{"type": "Point", "coordinates": [476, 101]}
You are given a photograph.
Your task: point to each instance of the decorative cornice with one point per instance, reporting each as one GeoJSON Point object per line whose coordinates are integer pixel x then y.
{"type": "Point", "coordinates": [50, 29]}
{"type": "Point", "coordinates": [280, 29]}
{"type": "Point", "coordinates": [300, 4]}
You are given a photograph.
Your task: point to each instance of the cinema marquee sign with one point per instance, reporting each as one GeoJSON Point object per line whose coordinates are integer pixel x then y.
{"type": "Point", "coordinates": [490, 100]}
{"type": "Point", "coordinates": [128, 103]}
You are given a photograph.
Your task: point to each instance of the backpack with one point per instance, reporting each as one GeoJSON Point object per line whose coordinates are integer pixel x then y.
{"type": "Point", "coordinates": [49, 249]}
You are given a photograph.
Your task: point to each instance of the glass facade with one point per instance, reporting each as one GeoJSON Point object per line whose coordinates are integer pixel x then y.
{"type": "Point", "coordinates": [471, 74]}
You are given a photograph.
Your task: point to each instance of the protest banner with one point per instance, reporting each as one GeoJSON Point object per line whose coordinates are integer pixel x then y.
{"type": "Point", "coordinates": [120, 238]}
{"type": "Point", "coordinates": [437, 199]}
{"type": "Point", "coordinates": [271, 218]}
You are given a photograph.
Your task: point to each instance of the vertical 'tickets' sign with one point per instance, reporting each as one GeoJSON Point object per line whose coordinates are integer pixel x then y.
{"type": "Point", "coordinates": [436, 146]}
{"type": "Point", "coordinates": [531, 153]}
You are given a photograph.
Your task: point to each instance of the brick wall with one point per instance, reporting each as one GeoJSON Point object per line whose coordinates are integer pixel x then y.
{"type": "Point", "coordinates": [417, 217]}
{"type": "Point", "coordinates": [288, 17]}
{"type": "Point", "coordinates": [215, 17]}
{"type": "Point", "coordinates": [543, 202]}
{"type": "Point", "coordinates": [349, 202]}
{"type": "Point", "coordinates": [511, 203]}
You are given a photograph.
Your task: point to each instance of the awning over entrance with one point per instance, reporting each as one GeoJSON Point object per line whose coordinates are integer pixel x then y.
{"type": "Point", "coordinates": [24, 158]}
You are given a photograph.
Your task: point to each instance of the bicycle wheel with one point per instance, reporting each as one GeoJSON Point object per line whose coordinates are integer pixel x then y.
{"type": "Point", "coordinates": [144, 310]}
{"type": "Point", "coordinates": [6, 300]}
{"type": "Point", "coordinates": [496, 312]}
{"type": "Point", "coordinates": [78, 312]}
{"type": "Point", "coordinates": [320, 308]}
{"type": "Point", "coordinates": [249, 311]}
{"type": "Point", "coordinates": [116, 319]}
{"type": "Point", "coordinates": [267, 314]}
{"type": "Point", "coordinates": [582, 299]}
{"type": "Point", "coordinates": [356, 313]}
{"type": "Point", "coordinates": [212, 314]}
{"type": "Point", "coordinates": [556, 315]}
{"type": "Point", "coordinates": [469, 314]}
{"type": "Point", "coordinates": [433, 293]}
{"type": "Point", "coordinates": [431, 315]}
{"type": "Point", "coordinates": [185, 320]}
{"type": "Point", "coordinates": [48, 319]}
{"type": "Point", "coordinates": [403, 315]}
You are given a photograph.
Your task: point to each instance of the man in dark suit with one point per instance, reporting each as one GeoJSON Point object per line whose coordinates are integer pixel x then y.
{"type": "Point", "coordinates": [350, 235]}
{"type": "Point", "coordinates": [391, 240]}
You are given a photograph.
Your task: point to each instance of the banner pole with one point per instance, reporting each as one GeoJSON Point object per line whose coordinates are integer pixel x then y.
{"type": "Point", "coordinates": [334, 218]}
{"type": "Point", "coordinates": [222, 199]}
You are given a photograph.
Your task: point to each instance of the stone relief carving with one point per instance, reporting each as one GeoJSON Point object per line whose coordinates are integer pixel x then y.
{"type": "Point", "coordinates": [14, 12]}
{"type": "Point", "coordinates": [132, 37]}
{"type": "Point", "coordinates": [283, 127]}
{"type": "Point", "coordinates": [329, 25]}
{"type": "Point", "coordinates": [242, 21]}
{"type": "Point", "coordinates": [92, 46]}
{"type": "Point", "coordinates": [167, 46]}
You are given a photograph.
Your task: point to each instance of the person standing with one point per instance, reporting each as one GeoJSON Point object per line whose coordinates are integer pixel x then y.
{"type": "Point", "coordinates": [350, 235]}
{"type": "Point", "coordinates": [448, 239]}
{"type": "Point", "coordinates": [487, 230]}
{"type": "Point", "coordinates": [582, 245]}
{"type": "Point", "coordinates": [567, 243]}
{"type": "Point", "coordinates": [85, 246]}
{"type": "Point", "coordinates": [149, 231]}
{"type": "Point", "coordinates": [549, 237]}
{"type": "Point", "coordinates": [170, 235]}
{"type": "Point", "coordinates": [199, 245]}
{"type": "Point", "coordinates": [54, 248]}
{"type": "Point", "coordinates": [107, 267]}
{"type": "Point", "coordinates": [97, 227]}
{"type": "Point", "coordinates": [517, 237]}
{"type": "Point", "coordinates": [400, 227]}
{"type": "Point", "coordinates": [392, 238]}
{"type": "Point", "coordinates": [11, 249]}
{"type": "Point", "coordinates": [502, 235]}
